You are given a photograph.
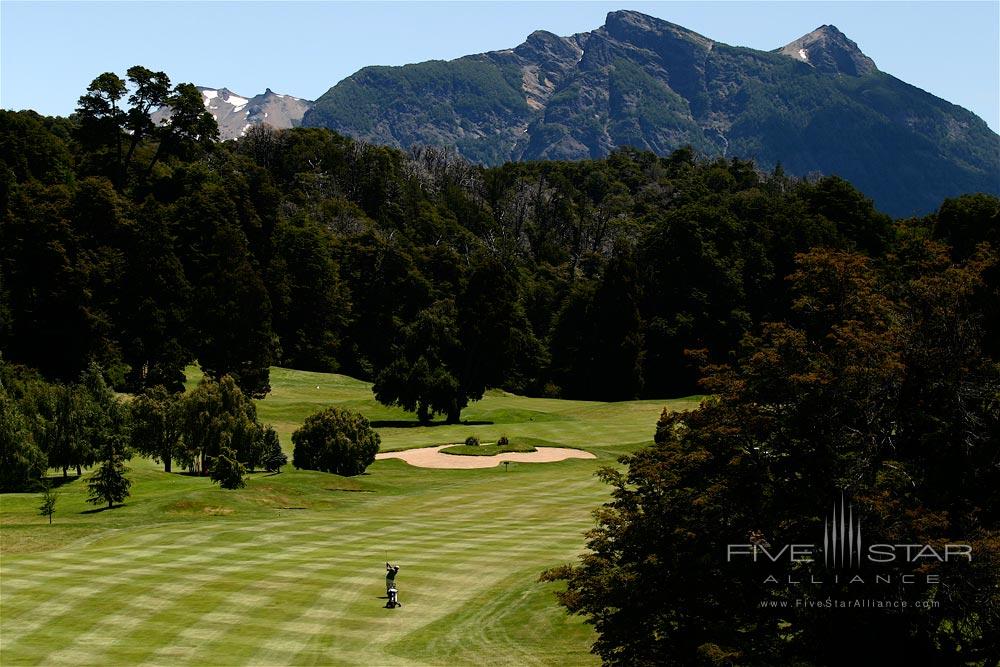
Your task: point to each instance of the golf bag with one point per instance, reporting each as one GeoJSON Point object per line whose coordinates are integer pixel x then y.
{"type": "Point", "coordinates": [393, 600]}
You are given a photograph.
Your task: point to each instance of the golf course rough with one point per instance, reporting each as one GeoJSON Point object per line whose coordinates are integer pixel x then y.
{"type": "Point", "coordinates": [290, 570]}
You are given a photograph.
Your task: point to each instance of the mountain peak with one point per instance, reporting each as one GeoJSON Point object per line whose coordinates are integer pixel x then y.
{"type": "Point", "coordinates": [630, 25]}
{"type": "Point", "coordinates": [544, 37]}
{"type": "Point", "coordinates": [653, 85]}
{"type": "Point", "coordinates": [829, 30]}
{"type": "Point", "coordinates": [236, 114]}
{"type": "Point", "coordinates": [543, 45]}
{"type": "Point", "coordinates": [830, 51]}
{"type": "Point", "coordinates": [632, 16]}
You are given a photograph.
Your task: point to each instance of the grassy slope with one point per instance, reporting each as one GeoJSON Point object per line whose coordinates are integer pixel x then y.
{"type": "Point", "coordinates": [608, 428]}
{"type": "Point", "coordinates": [186, 573]}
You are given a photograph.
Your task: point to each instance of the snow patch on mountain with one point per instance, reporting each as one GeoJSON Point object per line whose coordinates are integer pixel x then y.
{"type": "Point", "coordinates": [236, 114]}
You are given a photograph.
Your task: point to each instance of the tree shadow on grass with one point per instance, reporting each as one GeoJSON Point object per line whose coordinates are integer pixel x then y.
{"type": "Point", "coordinates": [98, 510]}
{"type": "Point", "coordinates": [56, 482]}
{"type": "Point", "coordinates": [399, 423]}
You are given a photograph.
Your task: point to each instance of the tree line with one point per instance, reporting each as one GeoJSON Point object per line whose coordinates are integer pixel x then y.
{"type": "Point", "coordinates": [211, 430]}
{"type": "Point", "coordinates": [146, 247]}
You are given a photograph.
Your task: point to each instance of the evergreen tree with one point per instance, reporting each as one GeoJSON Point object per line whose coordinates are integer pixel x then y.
{"type": "Point", "coordinates": [227, 472]}
{"type": "Point", "coordinates": [597, 336]}
{"type": "Point", "coordinates": [150, 91]}
{"type": "Point", "coordinates": [498, 346]}
{"type": "Point", "coordinates": [109, 483]}
{"type": "Point", "coordinates": [272, 458]}
{"type": "Point", "coordinates": [192, 129]}
{"type": "Point", "coordinates": [394, 292]}
{"type": "Point", "coordinates": [101, 122]}
{"type": "Point", "coordinates": [53, 325]}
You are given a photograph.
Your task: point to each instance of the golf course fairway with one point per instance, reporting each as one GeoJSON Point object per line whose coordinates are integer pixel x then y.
{"type": "Point", "coordinates": [290, 569]}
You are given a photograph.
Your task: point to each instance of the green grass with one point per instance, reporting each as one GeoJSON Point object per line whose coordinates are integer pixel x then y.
{"type": "Point", "coordinates": [607, 429]}
{"type": "Point", "coordinates": [289, 570]}
{"type": "Point", "coordinates": [515, 444]}
{"type": "Point", "coordinates": [486, 450]}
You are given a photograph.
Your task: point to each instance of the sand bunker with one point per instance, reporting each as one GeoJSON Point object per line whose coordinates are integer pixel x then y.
{"type": "Point", "coordinates": [431, 457]}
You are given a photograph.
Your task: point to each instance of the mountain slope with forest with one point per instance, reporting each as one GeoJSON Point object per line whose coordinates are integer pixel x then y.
{"type": "Point", "coordinates": [816, 106]}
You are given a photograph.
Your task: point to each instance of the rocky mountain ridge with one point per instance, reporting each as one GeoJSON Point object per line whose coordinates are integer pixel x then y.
{"type": "Point", "coordinates": [815, 105]}
{"type": "Point", "coordinates": [236, 114]}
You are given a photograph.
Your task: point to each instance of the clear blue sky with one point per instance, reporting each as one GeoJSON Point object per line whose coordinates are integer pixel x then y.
{"type": "Point", "coordinates": [50, 51]}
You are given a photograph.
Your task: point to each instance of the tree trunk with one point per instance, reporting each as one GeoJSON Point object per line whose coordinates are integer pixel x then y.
{"type": "Point", "coordinates": [454, 415]}
{"type": "Point", "coordinates": [156, 157]}
{"type": "Point", "coordinates": [118, 144]}
{"type": "Point", "coordinates": [65, 472]}
{"type": "Point", "coordinates": [423, 414]}
{"type": "Point", "coordinates": [166, 464]}
{"type": "Point", "coordinates": [109, 504]}
{"type": "Point", "coordinates": [133, 144]}
{"type": "Point", "coordinates": [79, 471]}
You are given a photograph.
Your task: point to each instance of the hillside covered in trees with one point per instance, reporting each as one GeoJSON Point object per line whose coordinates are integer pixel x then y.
{"type": "Point", "coordinates": [144, 247]}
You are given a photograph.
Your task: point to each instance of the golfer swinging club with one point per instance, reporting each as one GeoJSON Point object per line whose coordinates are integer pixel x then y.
{"type": "Point", "coordinates": [390, 586]}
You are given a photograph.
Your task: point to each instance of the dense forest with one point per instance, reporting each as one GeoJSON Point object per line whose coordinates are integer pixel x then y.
{"type": "Point", "coordinates": [144, 248]}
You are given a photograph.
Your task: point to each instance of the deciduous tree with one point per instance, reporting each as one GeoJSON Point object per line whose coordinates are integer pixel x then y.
{"type": "Point", "coordinates": [217, 414]}
{"type": "Point", "coordinates": [335, 440]}
{"type": "Point", "coordinates": [21, 461]}
{"type": "Point", "coordinates": [157, 422]}
{"type": "Point", "coordinates": [48, 506]}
